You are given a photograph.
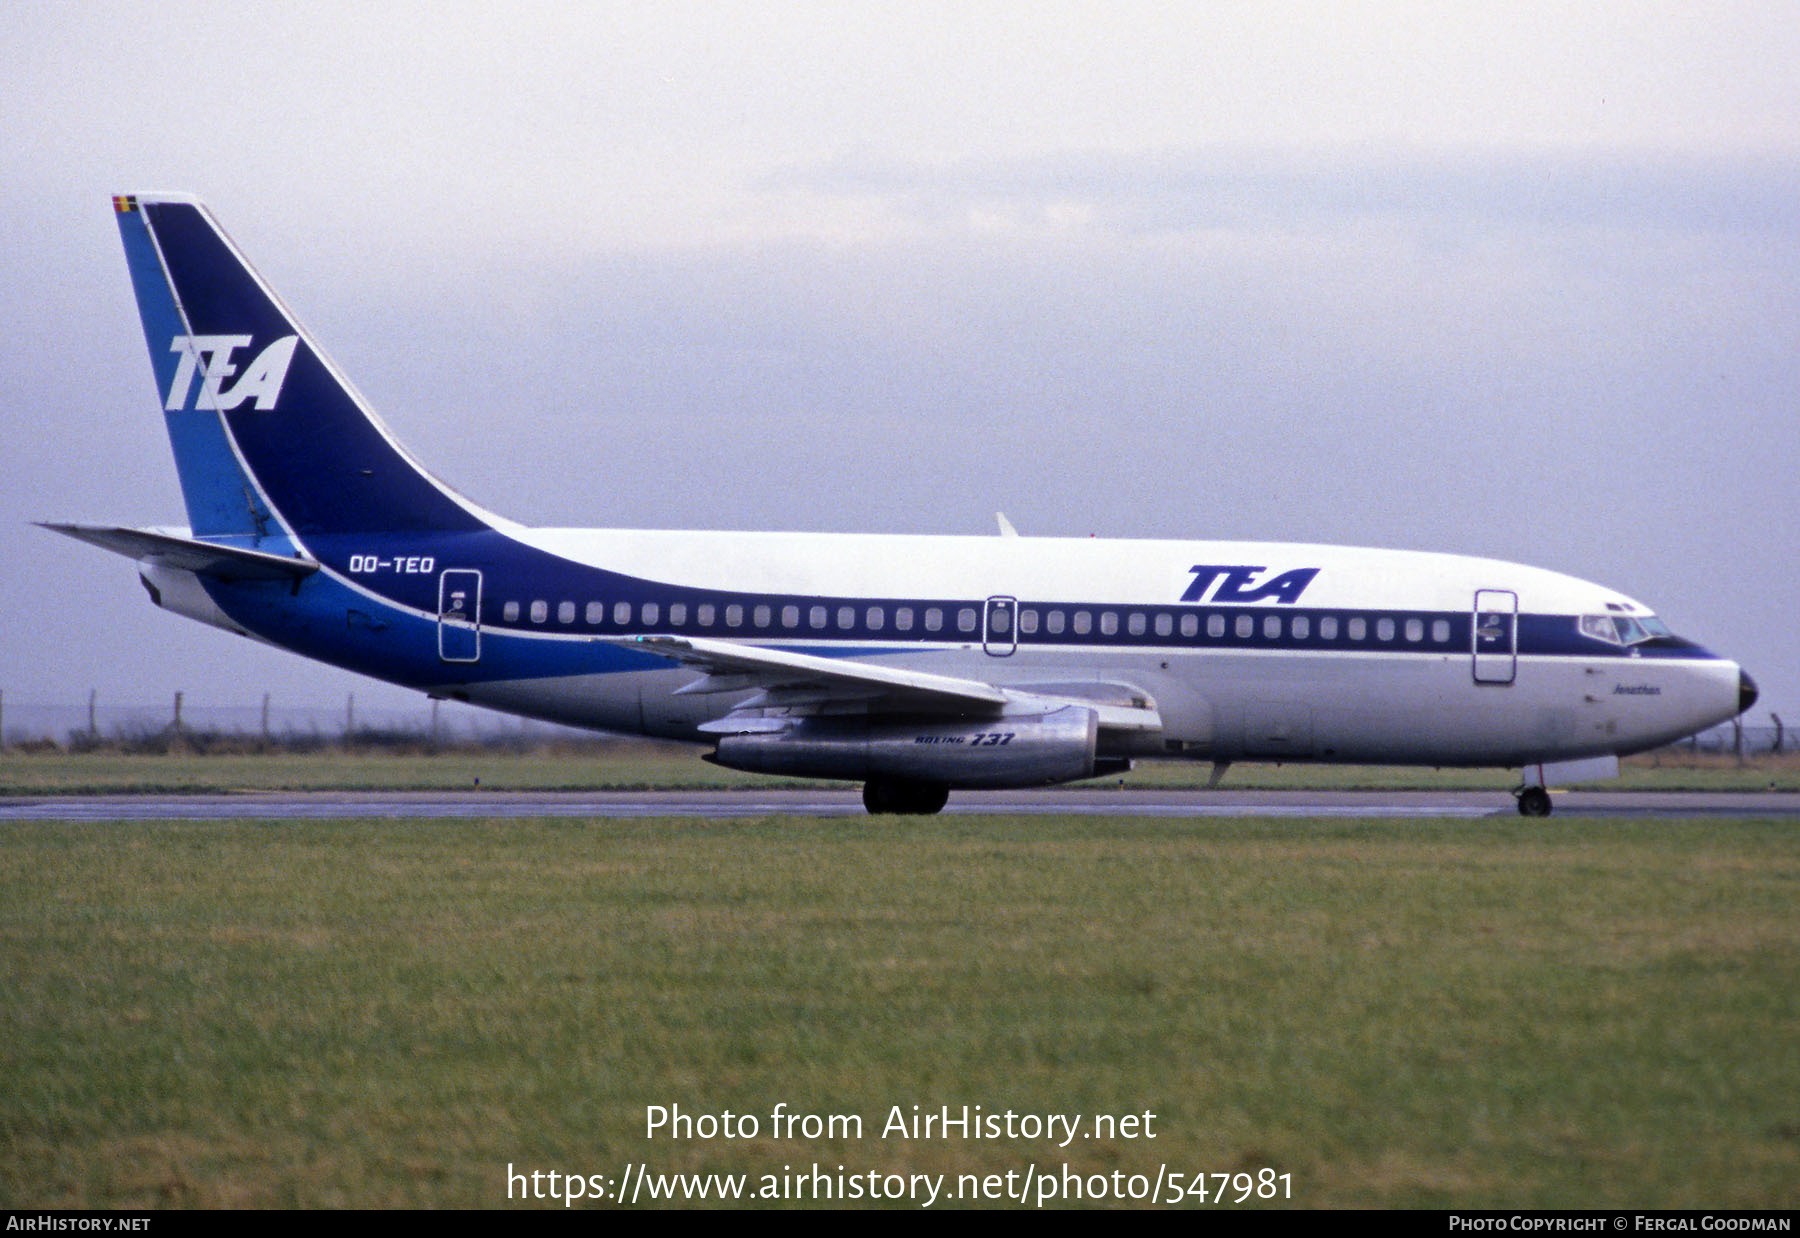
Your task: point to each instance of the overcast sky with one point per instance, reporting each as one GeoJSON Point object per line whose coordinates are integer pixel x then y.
{"type": "Point", "coordinates": [1515, 280]}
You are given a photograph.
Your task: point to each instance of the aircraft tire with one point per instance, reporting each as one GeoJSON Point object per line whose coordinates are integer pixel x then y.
{"type": "Point", "coordinates": [884, 795]}
{"type": "Point", "coordinates": [1534, 802]}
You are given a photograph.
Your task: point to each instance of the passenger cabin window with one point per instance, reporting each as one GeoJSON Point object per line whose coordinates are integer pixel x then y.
{"type": "Point", "coordinates": [966, 620]}
{"type": "Point", "coordinates": [1302, 627]}
{"type": "Point", "coordinates": [876, 618]}
{"type": "Point", "coordinates": [1109, 623]}
{"type": "Point", "coordinates": [934, 619]}
{"type": "Point", "coordinates": [595, 612]}
{"type": "Point", "coordinates": [734, 615]}
{"type": "Point", "coordinates": [1357, 629]}
{"type": "Point", "coordinates": [705, 614]}
{"type": "Point", "coordinates": [846, 618]}
{"type": "Point", "coordinates": [1384, 629]}
{"type": "Point", "coordinates": [651, 613]}
{"type": "Point", "coordinates": [1053, 623]}
{"type": "Point", "coordinates": [1084, 623]}
{"type": "Point", "coordinates": [677, 613]}
{"type": "Point", "coordinates": [790, 616]}
{"type": "Point", "coordinates": [1415, 630]}
{"type": "Point", "coordinates": [621, 613]}
{"type": "Point", "coordinates": [1215, 625]}
{"type": "Point", "coordinates": [815, 616]}
{"type": "Point", "coordinates": [510, 612]}
{"type": "Point", "coordinates": [565, 612]}
{"type": "Point", "coordinates": [1440, 631]}
{"type": "Point", "coordinates": [1190, 625]}
{"type": "Point", "coordinates": [1328, 628]}
{"type": "Point", "coordinates": [540, 611]}
{"type": "Point", "coordinates": [1028, 622]}
{"type": "Point", "coordinates": [1246, 626]}
{"type": "Point", "coordinates": [1165, 624]}
{"type": "Point", "coordinates": [761, 616]}
{"type": "Point", "coordinates": [903, 618]}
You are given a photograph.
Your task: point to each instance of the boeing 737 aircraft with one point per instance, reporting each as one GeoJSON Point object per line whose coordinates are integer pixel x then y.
{"type": "Point", "coordinates": [912, 664]}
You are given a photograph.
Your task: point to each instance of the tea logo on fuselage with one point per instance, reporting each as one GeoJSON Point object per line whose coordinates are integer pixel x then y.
{"type": "Point", "coordinates": [1236, 583]}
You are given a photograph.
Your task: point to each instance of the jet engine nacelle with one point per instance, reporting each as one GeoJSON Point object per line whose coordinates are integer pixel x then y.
{"type": "Point", "coordinates": [1024, 751]}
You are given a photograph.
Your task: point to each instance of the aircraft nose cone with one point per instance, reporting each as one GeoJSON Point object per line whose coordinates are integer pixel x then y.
{"type": "Point", "coordinates": [1746, 692]}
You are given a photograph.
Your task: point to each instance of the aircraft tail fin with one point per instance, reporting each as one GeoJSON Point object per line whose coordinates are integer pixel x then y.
{"type": "Point", "coordinates": [268, 436]}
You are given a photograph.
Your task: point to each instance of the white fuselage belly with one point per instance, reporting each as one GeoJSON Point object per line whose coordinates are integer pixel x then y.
{"type": "Point", "coordinates": [1236, 706]}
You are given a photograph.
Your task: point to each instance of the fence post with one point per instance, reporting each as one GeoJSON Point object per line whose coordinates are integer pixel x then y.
{"type": "Point", "coordinates": [93, 716]}
{"type": "Point", "coordinates": [1778, 733]}
{"type": "Point", "coordinates": [1737, 739]}
{"type": "Point", "coordinates": [2, 720]}
{"type": "Point", "coordinates": [265, 718]}
{"type": "Point", "coordinates": [176, 725]}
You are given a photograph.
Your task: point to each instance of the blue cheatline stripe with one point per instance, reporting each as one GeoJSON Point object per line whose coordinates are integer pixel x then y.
{"type": "Point", "coordinates": [1540, 635]}
{"type": "Point", "coordinates": [390, 631]}
{"type": "Point", "coordinates": [512, 572]}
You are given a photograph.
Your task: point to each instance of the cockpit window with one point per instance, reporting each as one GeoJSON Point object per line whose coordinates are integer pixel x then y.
{"type": "Point", "coordinates": [1626, 630]}
{"type": "Point", "coordinates": [1600, 627]}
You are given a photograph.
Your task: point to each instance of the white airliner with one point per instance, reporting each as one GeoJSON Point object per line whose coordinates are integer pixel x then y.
{"type": "Point", "coordinates": [913, 664]}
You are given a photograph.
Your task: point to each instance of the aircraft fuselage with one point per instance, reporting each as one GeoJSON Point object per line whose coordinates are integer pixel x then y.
{"type": "Point", "coordinates": [916, 664]}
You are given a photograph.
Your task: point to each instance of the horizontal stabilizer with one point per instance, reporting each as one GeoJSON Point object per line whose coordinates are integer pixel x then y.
{"type": "Point", "coordinates": [189, 554]}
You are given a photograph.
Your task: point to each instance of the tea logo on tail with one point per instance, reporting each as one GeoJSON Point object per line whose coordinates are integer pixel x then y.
{"type": "Point", "coordinates": [210, 356]}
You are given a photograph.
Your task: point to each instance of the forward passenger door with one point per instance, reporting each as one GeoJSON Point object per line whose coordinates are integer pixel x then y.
{"type": "Point", "coordinates": [1496, 636]}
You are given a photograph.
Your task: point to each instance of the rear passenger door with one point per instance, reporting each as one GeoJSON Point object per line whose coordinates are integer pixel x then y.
{"type": "Point", "coordinates": [459, 615]}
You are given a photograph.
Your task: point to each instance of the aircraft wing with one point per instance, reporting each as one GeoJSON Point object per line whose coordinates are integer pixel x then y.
{"type": "Point", "coordinates": [190, 554]}
{"type": "Point", "coordinates": [803, 682]}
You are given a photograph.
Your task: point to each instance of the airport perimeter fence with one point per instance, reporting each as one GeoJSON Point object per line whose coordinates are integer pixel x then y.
{"type": "Point", "coordinates": [450, 724]}
{"type": "Point", "coordinates": [1741, 739]}
{"type": "Point", "coordinates": [199, 727]}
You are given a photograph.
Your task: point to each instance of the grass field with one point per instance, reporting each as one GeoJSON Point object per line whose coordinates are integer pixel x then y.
{"type": "Point", "coordinates": [643, 765]}
{"type": "Point", "coordinates": [1510, 1013]}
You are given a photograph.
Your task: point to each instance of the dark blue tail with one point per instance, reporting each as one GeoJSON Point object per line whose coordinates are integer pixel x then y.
{"type": "Point", "coordinates": [268, 436]}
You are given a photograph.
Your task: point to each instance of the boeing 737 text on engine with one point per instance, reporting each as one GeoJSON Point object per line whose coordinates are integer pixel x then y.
{"type": "Point", "coordinates": [912, 664]}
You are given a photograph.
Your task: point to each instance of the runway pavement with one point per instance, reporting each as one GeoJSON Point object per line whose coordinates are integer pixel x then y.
{"type": "Point", "coordinates": [328, 805]}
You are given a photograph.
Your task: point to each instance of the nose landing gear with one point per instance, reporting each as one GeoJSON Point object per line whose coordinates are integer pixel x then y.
{"type": "Point", "coordinates": [1533, 801]}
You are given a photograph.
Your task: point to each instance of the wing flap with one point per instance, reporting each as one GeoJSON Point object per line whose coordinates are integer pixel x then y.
{"type": "Point", "coordinates": [798, 682]}
{"type": "Point", "coordinates": [730, 666]}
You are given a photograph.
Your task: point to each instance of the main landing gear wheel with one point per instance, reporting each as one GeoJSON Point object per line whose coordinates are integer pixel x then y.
{"type": "Point", "coordinates": [892, 795]}
{"type": "Point", "coordinates": [1534, 802]}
